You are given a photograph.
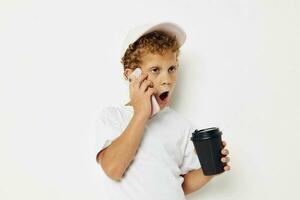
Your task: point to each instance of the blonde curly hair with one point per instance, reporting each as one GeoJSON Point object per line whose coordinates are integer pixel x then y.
{"type": "Point", "coordinates": [155, 42]}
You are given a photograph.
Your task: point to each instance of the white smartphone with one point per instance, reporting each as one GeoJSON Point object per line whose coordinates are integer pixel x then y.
{"type": "Point", "coordinates": [155, 106]}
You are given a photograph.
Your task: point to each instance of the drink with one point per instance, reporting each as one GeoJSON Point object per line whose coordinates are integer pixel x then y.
{"type": "Point", "coordinates": [208, 146]}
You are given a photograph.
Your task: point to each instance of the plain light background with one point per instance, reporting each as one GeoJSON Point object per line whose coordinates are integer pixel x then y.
{"type": "Point", "coordinates": [59, 63]}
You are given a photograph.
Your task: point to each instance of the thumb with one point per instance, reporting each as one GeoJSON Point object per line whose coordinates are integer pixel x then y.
{"type": "Point", "coordinates": [150, 91]}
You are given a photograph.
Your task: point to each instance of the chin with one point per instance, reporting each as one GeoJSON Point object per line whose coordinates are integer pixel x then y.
{"type": "Point", "coordinates": [163, 107]}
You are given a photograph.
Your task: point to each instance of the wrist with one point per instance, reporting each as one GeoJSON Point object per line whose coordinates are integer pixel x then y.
{"type": "Point", "coordinates": [140, 118]}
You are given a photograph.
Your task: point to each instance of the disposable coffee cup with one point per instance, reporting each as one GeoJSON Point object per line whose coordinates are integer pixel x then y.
{"type": "Point", "coordinates": [208, 146]}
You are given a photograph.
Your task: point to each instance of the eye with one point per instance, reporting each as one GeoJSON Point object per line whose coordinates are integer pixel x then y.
{"type": "Point", "coordinates": [155, 70]}
{"type": "Point", "coordinates": [173, 67]}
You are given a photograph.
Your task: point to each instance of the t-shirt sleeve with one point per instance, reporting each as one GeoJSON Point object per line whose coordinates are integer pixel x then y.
{"type": "Point", "coordinates": [190, 159]}
{"type": "Point", "coordinates": [107, 128]}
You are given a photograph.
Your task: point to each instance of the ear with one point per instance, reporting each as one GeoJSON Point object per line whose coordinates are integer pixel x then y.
{"type": "Point", "coordinates": [127, 72]}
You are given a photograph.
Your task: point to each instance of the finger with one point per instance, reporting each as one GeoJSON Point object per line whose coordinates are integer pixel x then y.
{"type": "Point", "coordinates": [133, 79]}
{"type": "Point", "coordinates": [224, 143]}
{"type": "Point", "coordinates": [140, 79]}
{"type": "Point", "coordinates": [145, 85]}
{"type": "Point", "coordinates": [131, 82]}
{"type": "Point", "coordinates": [225, 152]}
{"type": "Point", "coordinates": [227, 168]}
{"type": "Point", "coordinates": [150, 91]}
{"type": "Point", "coordinates": [225, 159]}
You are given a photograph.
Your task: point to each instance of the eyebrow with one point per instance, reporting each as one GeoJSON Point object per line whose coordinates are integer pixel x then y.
{"type": "Point", "coordinates": [160, 67]}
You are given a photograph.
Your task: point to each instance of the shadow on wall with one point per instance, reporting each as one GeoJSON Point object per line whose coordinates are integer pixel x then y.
{"type": "Point", "coordinates": [189, 81]}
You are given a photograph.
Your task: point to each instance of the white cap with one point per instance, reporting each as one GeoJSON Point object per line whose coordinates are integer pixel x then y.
{"type": "Point", "coordinates": [168, 27]}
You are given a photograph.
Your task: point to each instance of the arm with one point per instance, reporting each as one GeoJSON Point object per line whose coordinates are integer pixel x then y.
{"type": "Point", "coordinates": [194, 180]}
{"type": "Point", "coordinates": [116, 158]}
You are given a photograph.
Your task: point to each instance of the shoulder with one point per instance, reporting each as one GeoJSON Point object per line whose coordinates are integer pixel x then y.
{"type": "Point", "coordinates": [110, 115]}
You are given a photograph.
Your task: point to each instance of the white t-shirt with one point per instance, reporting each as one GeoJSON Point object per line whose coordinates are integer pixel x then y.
{"type": "Point", "coordinates": [165, 153]}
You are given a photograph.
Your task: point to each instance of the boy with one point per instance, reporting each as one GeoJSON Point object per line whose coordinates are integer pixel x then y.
{"type": "Point", "coordinates": [144, 157]}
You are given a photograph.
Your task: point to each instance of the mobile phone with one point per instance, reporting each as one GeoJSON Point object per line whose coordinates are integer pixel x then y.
{"type": "Point", "coordinates": [155, 106]}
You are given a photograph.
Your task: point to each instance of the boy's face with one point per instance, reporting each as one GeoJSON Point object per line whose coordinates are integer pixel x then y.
{"type": "Point", "coordinates": [162, 71]}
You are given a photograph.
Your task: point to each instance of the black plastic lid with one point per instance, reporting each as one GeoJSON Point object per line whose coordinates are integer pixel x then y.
{"type": "Point", "coordinates": [206, 133]}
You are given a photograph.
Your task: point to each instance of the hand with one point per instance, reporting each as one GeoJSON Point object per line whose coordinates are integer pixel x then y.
{"type": "Point", "coordinates": [225, 159]}
{"type": "Point", "coordinates": [141, 90]}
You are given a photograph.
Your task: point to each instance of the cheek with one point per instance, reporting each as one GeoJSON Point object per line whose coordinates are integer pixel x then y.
{"type": "Point", "coordinates": [174, 79]}
{"type": "Point", "coordinates": [152, 79]}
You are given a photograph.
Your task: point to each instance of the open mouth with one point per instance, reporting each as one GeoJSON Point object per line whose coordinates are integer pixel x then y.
{"type": "Point", "coordinates": [163, 96]}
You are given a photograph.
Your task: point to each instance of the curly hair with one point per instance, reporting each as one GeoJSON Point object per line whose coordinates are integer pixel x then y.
{"type": "Point", "coordinates": [155, 42]}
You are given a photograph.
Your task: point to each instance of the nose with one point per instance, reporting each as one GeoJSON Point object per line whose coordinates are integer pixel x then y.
{"type": "Point", "coordinates": [166, 79]}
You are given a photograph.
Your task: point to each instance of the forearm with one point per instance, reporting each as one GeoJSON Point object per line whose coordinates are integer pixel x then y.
{"type": "Point", "coordinates": [194, 180]}
{"type": "Point", "coordinates": [119, 154]}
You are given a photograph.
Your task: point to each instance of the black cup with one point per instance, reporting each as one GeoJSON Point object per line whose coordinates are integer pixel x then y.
{"type": "Point", "coordinates": [208, 145]}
